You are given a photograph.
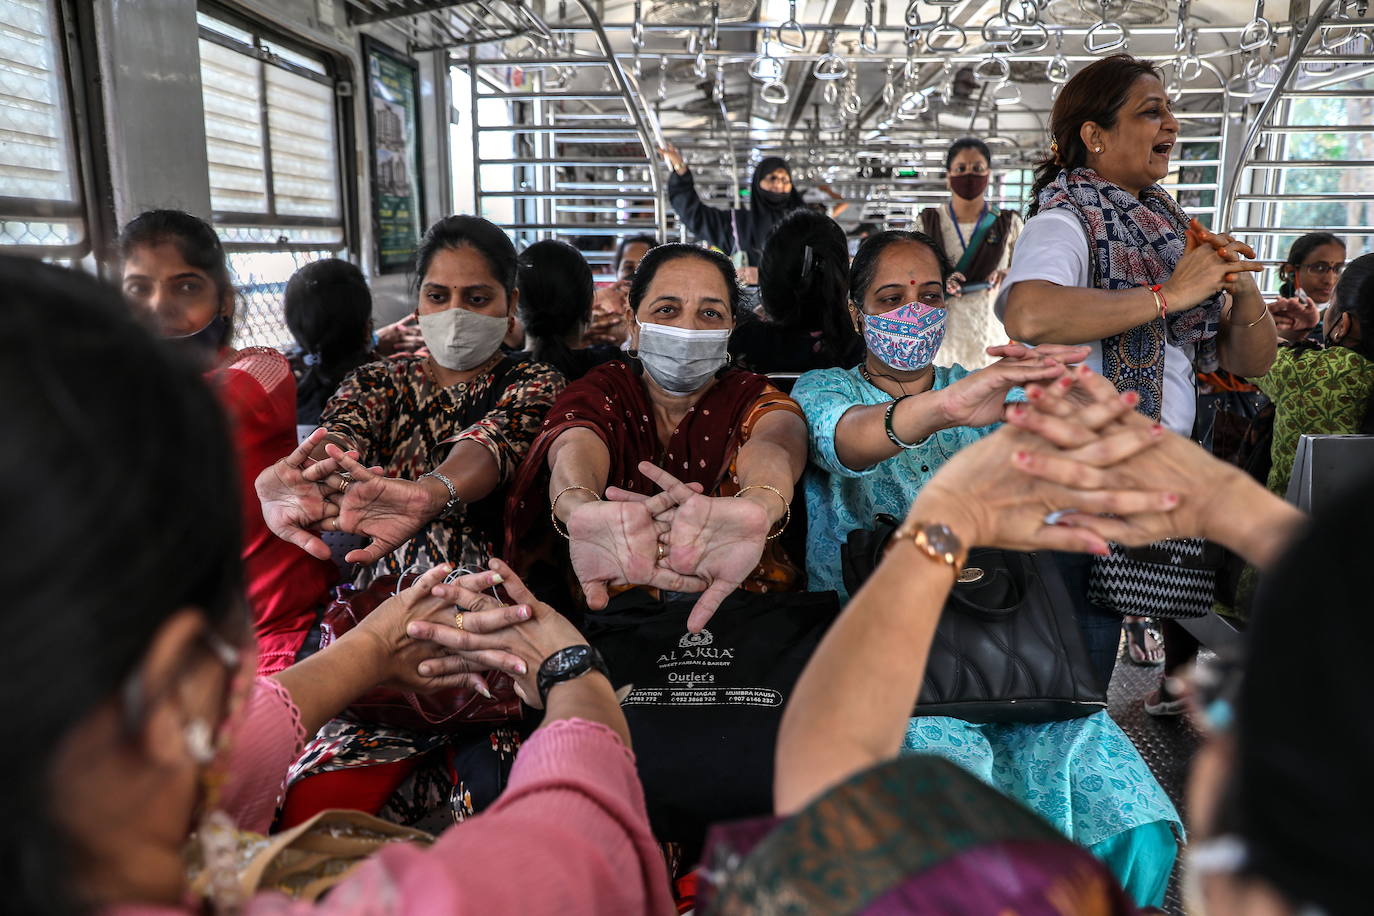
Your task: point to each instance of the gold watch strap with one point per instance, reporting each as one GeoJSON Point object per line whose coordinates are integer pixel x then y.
{"type": "Point", "coordinates": [934, 539]}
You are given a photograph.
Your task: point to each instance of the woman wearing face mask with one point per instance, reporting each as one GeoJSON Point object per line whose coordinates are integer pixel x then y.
{"type": "Point", "coordinates": [730, 434]}
{"type": "Point", "coordinates": [742, 232]}
{"type": "Point", "coordinates": [449, 429]}
{"type": "Point", "coordinates": [1309, 276]}
{"type": "Point", "coordinates": [156, 746]}
{"type": "Point", "coordinates": [978, 241]}
{"type": "Point", "coordinates": [878, 434]}
{"type": "Point", "coordinates": [174, 268]}
{"type": "Point", "coordinates": [1108, 259]}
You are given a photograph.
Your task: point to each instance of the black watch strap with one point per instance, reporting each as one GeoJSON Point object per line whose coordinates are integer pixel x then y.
{"type": "Point", "coordinates": [566, 664]}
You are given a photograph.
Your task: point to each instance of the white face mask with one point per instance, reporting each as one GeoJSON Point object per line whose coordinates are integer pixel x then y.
{"type": "Point", "coordinates": [459, 339]}
{"type": "Point", "coordinates": [681, 360]}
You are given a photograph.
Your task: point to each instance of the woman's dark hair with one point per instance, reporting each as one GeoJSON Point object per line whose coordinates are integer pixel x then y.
{"type": "Point", "coordinates": [1096, 93]}
{"type": "Point", "coordinates": [804, 281]}
{"type": "Point", "coordinates": [663, 254]}
{"type": "Point", "coordinates": [1355, 294]}
{"type": "Point", "coordinates": [1308, 628]}
{"type": "Point", "coordinates": [329, 311]}
{"type": "Point", "coordinates": [1299, 253]}
{"type": "Point", "coordinates": [556, 292]}
{"type": "Point", "coordinates": [194, 239]}
{"type": "Point", "coordinates": [864, 268]}
{"type": "Point", "coordinates": [624, 244]}
{"type": "Point", "coordinates": [483, 235]}
{"type": "Point", "coordinates": [93, 571]}
{"type": "Point", "coordinates": [958, 146]}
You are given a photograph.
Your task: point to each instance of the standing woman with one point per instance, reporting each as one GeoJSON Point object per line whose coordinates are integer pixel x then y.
{"type": "Point", "coordinates": [1107, 260]}
{"type": "Point", "coordinates": [740, 233]}
{"type": "Point", "coordinates": [977, 240]}
{"type": "Point", "coordinates": [174, 268]}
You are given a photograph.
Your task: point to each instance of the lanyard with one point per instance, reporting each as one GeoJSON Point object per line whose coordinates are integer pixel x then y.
{"type": "Point", "coordinates": [955, 220]}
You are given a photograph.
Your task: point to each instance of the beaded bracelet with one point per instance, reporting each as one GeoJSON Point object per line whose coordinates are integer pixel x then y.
{"type": "Point", "coordinates": [887, 425]}
{"type": "Point", "coordinates": [787, 507]}
{"type": "Point", "coordinates": [553, 507]}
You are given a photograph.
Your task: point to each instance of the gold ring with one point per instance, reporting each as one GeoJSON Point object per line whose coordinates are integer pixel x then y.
{"type": "Point", "coordinates": [345, 484]}
{"type": "Point", "coordinates": [660, 551]}
{"type": "Point", "coordinates": [458, 620]}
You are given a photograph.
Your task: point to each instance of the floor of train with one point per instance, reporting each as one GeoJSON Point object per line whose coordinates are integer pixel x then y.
{"type": "Point", "coordinates": [1166, 744]}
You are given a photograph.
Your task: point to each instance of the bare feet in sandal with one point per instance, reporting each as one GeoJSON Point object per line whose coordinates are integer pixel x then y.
{"type": "Point", "coordinates": [1143, 647]}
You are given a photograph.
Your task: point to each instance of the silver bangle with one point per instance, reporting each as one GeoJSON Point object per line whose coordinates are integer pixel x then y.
{"type": "Point", "coordinates": [453, 501]}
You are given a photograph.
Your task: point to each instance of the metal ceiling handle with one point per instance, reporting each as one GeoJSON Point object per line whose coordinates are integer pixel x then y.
{"type": "Point", "coordinates": [1181, 30]}
{"type": "Point", "coordinates": [831, 66]}
{"type": "Point", "coordinates": [775, 93]}
{"type": "Point", "coordinates": [944, 29]}
{"type": "Point", "coordinates": [1189, 67]}
{"type": "Point", "coordinates": [1107, 36]}
{"type": "Point", "coordinates": [794, 28]}
{"type": "Point", "coordinates": [1325, 40]}
{"type": "Point", "coordinates": [766, 68]}
{"type": "Point", "coordinates": [1006, 94]}
{"type": "Point", "coordinates": [868, 34]}
{"type": "Point", "coordinates": [912, 17]}
{"type": "Point", "coordinates": [1057, 70]}
{"type": "Point", "coordinates": [699, 62]}
{"type": "Point", "coordinates": [992, 69]}
{"type": "Point", "coordinates": [1000, 30]}
{"type": "Point", "coordinates": [1259, 32]}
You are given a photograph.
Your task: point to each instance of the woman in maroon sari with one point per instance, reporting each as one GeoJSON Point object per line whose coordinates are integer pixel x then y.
{"type": "Point", "coordinates": [725, 447]}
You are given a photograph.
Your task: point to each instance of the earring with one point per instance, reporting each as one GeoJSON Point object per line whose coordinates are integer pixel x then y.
{"type": "Point", "coordinates": [200, 741]}
{"type": "Point", "coordinates": [1097, 149]}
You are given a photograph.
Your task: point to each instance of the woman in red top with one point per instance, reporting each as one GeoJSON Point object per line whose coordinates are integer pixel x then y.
{"type": "Point", "coordinates": [175, 269]}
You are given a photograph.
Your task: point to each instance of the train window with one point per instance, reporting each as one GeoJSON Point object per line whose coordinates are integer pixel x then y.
{"type": "Point", "coordinates": [41, 208]}
{"type": "Point", "coordinates": [272, 140]}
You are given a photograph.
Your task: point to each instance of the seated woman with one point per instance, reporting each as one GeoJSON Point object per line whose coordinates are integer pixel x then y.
{"type": "Point", "coordinates": [917, 835]}
{"type": "Point", "coordinates": [448, 429]}
{"type": "Point", "coordinates": [803, 286]}
{"type": "Point", "coordinates": [879, 433]}
{"type": "Point", "coordinates": [157, 730]}
{"type": "Point", "coordinates": [555, 285]}
{"type": "Point", "coordinates": [675, 405]}
{"type": "Point", "coordinates": [1309, 275]}
{"type": "Point", "coordinates": [608, 307]}
{"type": "Point", "coordinates": [174, 268]}
{"type": "Point", "coordinates": [328, 309]}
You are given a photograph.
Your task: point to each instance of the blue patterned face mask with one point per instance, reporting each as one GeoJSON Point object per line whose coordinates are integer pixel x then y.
{"type": "Point", "coordinates": [908, 337]}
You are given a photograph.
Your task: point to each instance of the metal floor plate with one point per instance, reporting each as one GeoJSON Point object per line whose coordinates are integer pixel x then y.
{"type": "Point", "coordinates": [1166, 744]}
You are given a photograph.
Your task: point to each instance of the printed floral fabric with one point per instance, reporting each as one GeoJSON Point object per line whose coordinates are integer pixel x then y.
{"type": "Point", "coordinates": [1082, 775]}
{"type": "Point", "coordinates": [906, 338]}
{"type": "Point", "coordinates": [1320, 392]}
{"type": "Point", "coordinates": [400, 419]}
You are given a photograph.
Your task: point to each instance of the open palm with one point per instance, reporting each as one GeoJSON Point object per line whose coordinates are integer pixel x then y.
{"type": "Point", "coordinates": [292, 505]}
{"type": "Point", "coordinates": [615, 544]}
{"type": "Point", "coordinates": [718, 540]}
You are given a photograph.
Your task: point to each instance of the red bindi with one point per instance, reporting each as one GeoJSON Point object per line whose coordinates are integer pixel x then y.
{"type": "Point", "coordinates": [913, 282]}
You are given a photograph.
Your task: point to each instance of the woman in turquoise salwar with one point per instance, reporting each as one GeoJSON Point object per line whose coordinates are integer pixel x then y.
{"type": "Point", "coordinates": [878, 432]}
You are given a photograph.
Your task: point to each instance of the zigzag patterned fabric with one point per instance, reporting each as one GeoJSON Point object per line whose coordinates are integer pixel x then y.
{"type": "Point", "coordinates": [1142, 589]}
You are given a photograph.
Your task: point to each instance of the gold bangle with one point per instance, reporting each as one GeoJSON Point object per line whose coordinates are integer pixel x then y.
{"type": "Point", "coordinates": [553, 507]}
{"type": "Point", "coordinates": [787, 507]}
{"type": "Point", "coordinates": [1263, 313]}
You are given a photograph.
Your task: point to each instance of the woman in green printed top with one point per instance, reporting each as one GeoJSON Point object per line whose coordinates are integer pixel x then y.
{"type": "Point", "coordinates": [1326, 391]}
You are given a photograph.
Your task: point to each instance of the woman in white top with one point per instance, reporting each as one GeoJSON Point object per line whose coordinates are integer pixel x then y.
{"type": "Point", "coordinates": [1109, 259]}
{"type": "Point", "coordinates": [977, 240]}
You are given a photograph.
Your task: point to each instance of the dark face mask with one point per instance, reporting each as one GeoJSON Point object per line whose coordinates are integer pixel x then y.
{"type": "Point", "coordinates": [776, 198]}
{"type": "Point", "coordinates": [968, 186]}
{"type": "Point", "coordinates": [208, 339]}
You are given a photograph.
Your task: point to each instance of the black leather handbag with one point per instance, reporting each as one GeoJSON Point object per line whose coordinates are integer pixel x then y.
{"type": "Point", "coordinates": [1007, 648]}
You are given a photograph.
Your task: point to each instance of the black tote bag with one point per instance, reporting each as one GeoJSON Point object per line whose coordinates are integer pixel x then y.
{"type": "Point", "coordinates": [1007, 647]}
{"type": "Point", "coordinates": [705, 708]}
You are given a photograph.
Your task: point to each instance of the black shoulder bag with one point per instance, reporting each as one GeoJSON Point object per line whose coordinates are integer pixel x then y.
{"type": "Point", "coordinates": [1007, 648]}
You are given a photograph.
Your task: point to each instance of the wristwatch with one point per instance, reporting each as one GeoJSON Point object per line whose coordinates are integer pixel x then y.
{"type": "Point", "coordinates": [937, 541]}
{"type": "Point", "coordinates": [566, 664]}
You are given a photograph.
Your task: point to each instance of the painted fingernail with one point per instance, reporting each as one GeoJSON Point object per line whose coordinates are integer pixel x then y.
{"type": "Point", "coordinates": [1084, 371]}
{"type": "Point", "coordinates": [519, 667]}
{"type": "Point", "coordinates": [482, 689]}
{"type": "Point", "coordinates": [1157, 430]}
{"type": "Point", "coordinates": [1130, 399]}
{"type": "Point", "coordinates": [1065, 382]}
{"type": "Point", "coordinates": [522, 612]}
{"type": "Point", "coordinates": [497, 579]}
{"type": "Point", "coordinates": [1034, 393]}
{"type": "Point", "coordinates": [1017, 410]}
{"type": "Point", "coordinates": [1171, 499]}
{"type": "Point", "coordinates": [1020, 457]}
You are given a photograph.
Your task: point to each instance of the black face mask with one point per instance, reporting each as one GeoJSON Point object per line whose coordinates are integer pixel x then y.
{"type": "Point", "coordinates": [208, 339]}
{"type": "Point", "coordinates": [776, 198]}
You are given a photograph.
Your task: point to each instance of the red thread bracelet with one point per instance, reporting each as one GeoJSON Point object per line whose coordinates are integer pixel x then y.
{"type": "Point", "coordinates": [1163, 303]}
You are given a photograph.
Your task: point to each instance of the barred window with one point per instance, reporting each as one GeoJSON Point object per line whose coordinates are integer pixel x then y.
{"type": "Point", "coordinates": [276, 190]}
{"type": "Point", "coordinates": [41, 207]}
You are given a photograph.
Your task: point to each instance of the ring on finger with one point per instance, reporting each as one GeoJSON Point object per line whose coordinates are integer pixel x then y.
{"type": "Point", "coordinates": [458, 620]}
{"type": "Point", "coordinates": [345, 484]}
{"type": "Point", "coordinates": [660, 550]}
{"type": "Point", "coordinates": [1057, 516]}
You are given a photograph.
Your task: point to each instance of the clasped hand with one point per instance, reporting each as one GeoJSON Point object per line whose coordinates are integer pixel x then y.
{"type": "Point", "coordinates": [676, 540]}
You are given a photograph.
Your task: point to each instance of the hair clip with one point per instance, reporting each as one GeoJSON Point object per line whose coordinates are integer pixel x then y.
{"type": "Point", "coordinates": [808, 260]}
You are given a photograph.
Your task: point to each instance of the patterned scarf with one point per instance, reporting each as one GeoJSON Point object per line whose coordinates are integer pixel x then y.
{"type": "Point", "coordinates": [1137, 242]}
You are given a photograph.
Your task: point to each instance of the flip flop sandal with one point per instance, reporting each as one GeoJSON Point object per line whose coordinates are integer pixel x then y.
{"type": "Point", "coordinates": [1138, 638]}
{"type": "Point", "coordinates": [1162, 705]}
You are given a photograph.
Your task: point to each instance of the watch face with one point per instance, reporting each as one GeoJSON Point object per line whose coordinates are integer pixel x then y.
{"type": "Point", "coordinates": [567, 660]}
{"type": "Point", "coordinates": [942, 540]}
